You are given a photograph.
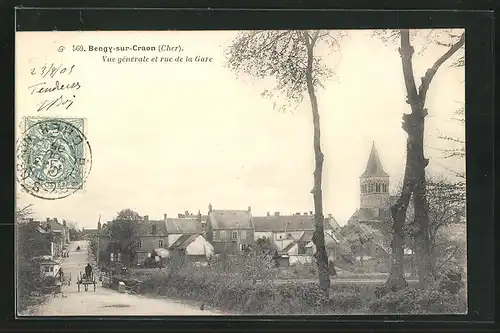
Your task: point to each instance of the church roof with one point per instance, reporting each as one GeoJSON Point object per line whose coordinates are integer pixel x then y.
{"type": "Point", "coordinates": [374, 166]}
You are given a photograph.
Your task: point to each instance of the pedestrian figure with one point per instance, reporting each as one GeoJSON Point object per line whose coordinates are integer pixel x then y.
{"type": "Point", "coordinates": [60, 274]}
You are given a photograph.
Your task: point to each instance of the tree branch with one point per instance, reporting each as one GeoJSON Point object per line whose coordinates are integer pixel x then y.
{"type": "Point", "coordinates": [429, 75]}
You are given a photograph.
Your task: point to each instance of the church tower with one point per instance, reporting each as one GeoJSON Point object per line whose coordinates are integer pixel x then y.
{"type": "Point", "coordinates": [374, 184]}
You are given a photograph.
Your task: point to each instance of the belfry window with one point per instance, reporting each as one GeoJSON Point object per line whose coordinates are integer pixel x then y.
{"type": "Point", "coordinates": [377, 187]}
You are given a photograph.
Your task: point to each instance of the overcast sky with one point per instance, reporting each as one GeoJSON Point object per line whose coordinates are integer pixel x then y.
{"type": "Point", "coordinates": [172, 137]}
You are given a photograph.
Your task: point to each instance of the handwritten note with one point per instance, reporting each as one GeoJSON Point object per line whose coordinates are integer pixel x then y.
{"type": "Point", "coordinates": [54, 86]}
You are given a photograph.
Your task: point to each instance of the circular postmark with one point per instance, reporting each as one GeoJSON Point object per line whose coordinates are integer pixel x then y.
{"type": "Point", "coordinates": [53, 157]}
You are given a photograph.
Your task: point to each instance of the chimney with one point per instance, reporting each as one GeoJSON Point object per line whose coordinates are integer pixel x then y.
{"type": "Point", "coordinates": [210, 208]}
{"type": "Point", "coordinates": [310, 213]}
{"type": "Point", "coordinates": [186, 213]}
{"type": "Point", "coordinates": [297, 214]}
{"type": "Point", "coordinates": [305, 213]}
{"type": "Point", "coordinates": [55, 219]}
{"type": "Point", "coordinates": [64, 223]}
{"type": "Point", "coordinates": [276, 213]}
{"type": "Point", "coordinates": [330, 216]}
{"type": "Point", "coordinates": [146, 218]}
{"type": "Point", "coordinates": [165, 217]}
{"type": "Point", "coordinates": [249, 209]}
{"type": "Point", "coordinates": [199, 216]}
{"type": "Point", "coordinates": [48, 219]}
{"type": "Point", "coordinates": [98, 226]}
{"type": "Point", "coordinates": [268, 214]}
{"type": "Point", "coordinates": [179, 216]}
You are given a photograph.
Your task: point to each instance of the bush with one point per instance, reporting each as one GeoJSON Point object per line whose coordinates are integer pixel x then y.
{"type": "Point", "coordinates": [239, 291]}
{"type": "Point", "coordinates": [416, 301]}
{"type": "Point", "coordinates": [29, 284]}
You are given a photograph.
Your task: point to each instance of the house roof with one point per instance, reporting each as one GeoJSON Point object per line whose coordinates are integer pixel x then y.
{"type": "Point", "coordinates": [162, 252]}
{"type": "Point", "coordinates": [306, 236]}
{"type": "Point", "coordinates": [145, 228]}
{"type": "Point", "coordinates": [54, 225]}
{"type": "Point", "coordinates": [41, 230]}
{"type": "Point", "coordinates": [287, 222]}
{"type": "Point", "coordinates": [183, 226]}
{"type": "Point", "coordinates": [231, 219]}
{"type": "Point", "coordinates": [374, 167]}
{"type": "Point", "coordinates": [183, 242]}
{"type": "Point", "coordinates": [367, 214]}
{"type": "Point", "coordinates": [289, 246]}
{"type": "Point", "coordinates": [333, 223]}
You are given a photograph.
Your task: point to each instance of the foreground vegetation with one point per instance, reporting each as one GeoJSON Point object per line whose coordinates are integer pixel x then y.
{"type": "Point", "coordinates": [249, 286]}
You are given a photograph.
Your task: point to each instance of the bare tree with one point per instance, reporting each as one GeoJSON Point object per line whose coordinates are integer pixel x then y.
{"type": "Point", "coordinates": [414, 181]}
{"type": "Point", "coordinates": [290, 57]}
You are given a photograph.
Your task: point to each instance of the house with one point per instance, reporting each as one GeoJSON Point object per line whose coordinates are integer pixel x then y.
{"type": "Point", "coordinates": [150, 234]}
{"type": "Point", "coordinates": [194, 247]}
{"type": "Point", "coordinates": [187, 224]}
{"type": "Point", "coordinates": [60, 234]}
{"type": "Point", "coordinates": [231, 231]}
{"type": "Point", "coordinates": [48, 267]}
{"type": "Point", "coordinates": [283, 230]}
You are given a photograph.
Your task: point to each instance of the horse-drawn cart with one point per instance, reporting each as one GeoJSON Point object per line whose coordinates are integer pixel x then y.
{"type": "Point", "coordinates": [86, 280]}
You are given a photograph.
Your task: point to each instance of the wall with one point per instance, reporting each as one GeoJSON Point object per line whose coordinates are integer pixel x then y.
{"type": "Point", "coordinates": [281, 244]}
{"type": "Point", "coordinates": [245, 236]}
{"type": "Point", "coordinates": [294, 250]}
{"type": "Point", "coordinates": [171, 239]}
{"type": "Point", "coordinates": [300, 259]}
{"type": "Point", "coordinates": [149, 243]}
{"type": "Point", "coordinates": [200, 247]}
{"type": "Point", "coordinates": [263, 234]}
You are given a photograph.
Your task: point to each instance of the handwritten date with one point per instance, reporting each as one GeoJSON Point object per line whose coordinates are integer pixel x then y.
{"type": "Point", "coordinates": [52, 70]}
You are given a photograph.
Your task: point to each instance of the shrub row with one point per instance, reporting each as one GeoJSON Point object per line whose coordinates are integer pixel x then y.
{"type": "Point", "coordinates": [238, 294]}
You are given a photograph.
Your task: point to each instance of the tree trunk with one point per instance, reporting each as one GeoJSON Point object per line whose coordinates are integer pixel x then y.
{"type": "Point", "coordinates": [319, 234]}
{"type": "Point", "coordinates": [414, 181]}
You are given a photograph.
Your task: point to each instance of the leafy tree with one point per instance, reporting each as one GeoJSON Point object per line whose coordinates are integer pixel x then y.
{"type": "Point", "coordinates": [414, 182]}
{"type": "Point", "coordinates": [264, 244]}
{"type": "Point", "coordinates": [446, 202]}
{"type": "Point", "coordinates": [358, 238]}
{"type": "Point", "coordinates": [128, 214]}
{"type": "Point", "coordinates": [290, 57]}
{"type": "Point", "coordinates": [75, 234]}
{"type": "Point", "coordinates": [30, 243]}
{"type": "Point", "coordinates": [122, 233]}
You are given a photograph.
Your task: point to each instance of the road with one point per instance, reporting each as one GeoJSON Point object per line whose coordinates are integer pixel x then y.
{"type": "Point", "coordinates": [106, 302]}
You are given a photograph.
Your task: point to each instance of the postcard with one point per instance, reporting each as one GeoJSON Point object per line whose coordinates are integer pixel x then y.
{"type": "Point", "coordinates": [163, 173]}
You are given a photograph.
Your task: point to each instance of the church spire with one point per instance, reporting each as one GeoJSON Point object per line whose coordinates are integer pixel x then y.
{"type": "Point", "coordinates": [374, 166]}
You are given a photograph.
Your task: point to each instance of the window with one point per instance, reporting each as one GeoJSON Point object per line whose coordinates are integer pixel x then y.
{"type": "Point", "coordinates": [371, 187]}
{"type": "Point", "coordinates": [160, 243]}
{"type": "Point", "coordinates": [49, 269]}
{"type": "Point", "coordinates": [139, 244]}
{"type": "Point", "coordinates": [377, 187]}
{"type": "Point", "coordinates": [234, 235]}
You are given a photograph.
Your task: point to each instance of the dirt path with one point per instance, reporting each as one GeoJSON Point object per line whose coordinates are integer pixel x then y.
{"type": "Point", "coordinates": [106, 302]}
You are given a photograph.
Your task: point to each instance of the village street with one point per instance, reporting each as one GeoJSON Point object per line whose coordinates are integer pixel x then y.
{"type": "Point", "coordinates": [106, 302]}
